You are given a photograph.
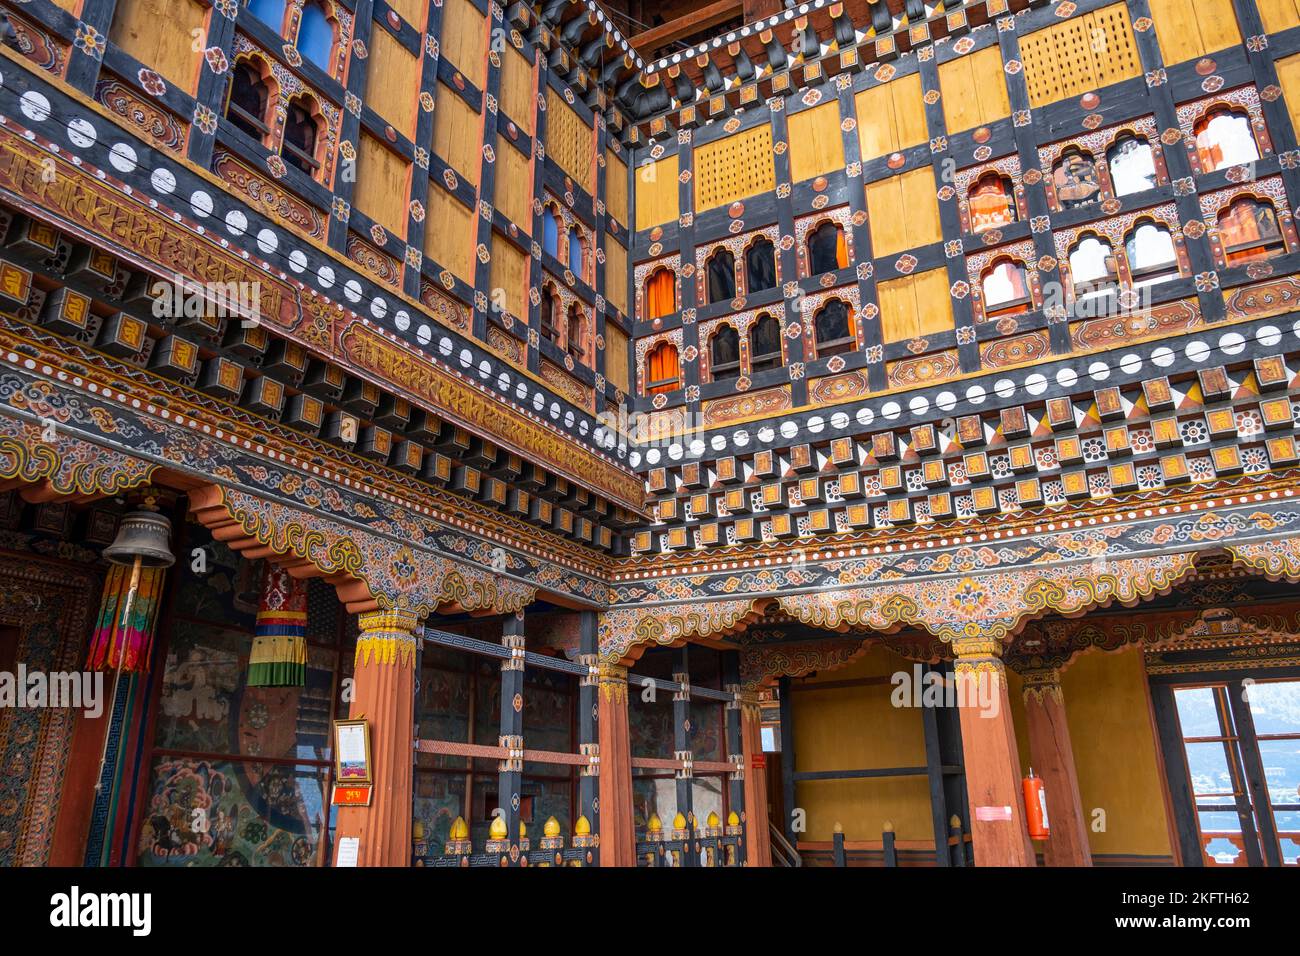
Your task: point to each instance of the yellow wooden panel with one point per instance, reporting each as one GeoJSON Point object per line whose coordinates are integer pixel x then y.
{"type": "Point", "coordinates": [1189, 29]}
{"type": "Point", "coordinates": [1217, 21]}
{"type": "Point", "coordinates": [1288, 75]}
{"type": "Point", "coordinates": [1079, 55]}
{"type": "Point", "coordinates": [464, 39]}
{"type": "Point", "coordinates": [816, 143]}
{"type": "Point", "coordinates": [514, 192]}
{"type": "Point", "coordinates": [734, 167]}
{"type": "Point", "coordinates": [509, 275]}
{"type": "Point", "coordinates": [1114, 51]}
{"type": "Point", "coordinates": [909, 110]}
{"type": "Point", "coordinates": [517, 99]}
{"type": "Point", "coordinates": [961, 106]}
{"type": "Point", "coordinates": [383, 178]}
{"type": "Point", "coordinates": [456, 132]}
{"type": "Point", "coordinates": [877, 131]}
{"type": "Point", "coordinates": [886, 216]}
{"type": "Point", "coordinates": [933, 302]}
{"type": "Point", "coordinates": [570, 141]}
{"type": "Point", "coordinates": [616, 275]}
{"type": "Point", "coordinates": [989, 82]}
{"type": "Point", "coordinates": [413, 12]}
{"type": "Point", "coordinates": [1279, 15]}
{"type": "Point", "coordinates": [138, 29]}
{"type": "Point", "coordinates": [449, 233]}
{"type": "Point", "coordinates": [393, 82]}
{"type": "Point", "coordinates": [897, 299]}
{"type": "Point", "coordinates": [616, 371]}
{"type": "Point", "coordinates": [616, 187]}
{"type": "Point", "coordinates": [69, 5]}
{"type": "Point", "coordinates": [656, 192]}
{"type": "Point", "coordinates": [921, 206]}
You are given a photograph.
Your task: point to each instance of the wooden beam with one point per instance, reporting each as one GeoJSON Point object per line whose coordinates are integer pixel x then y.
{"type": "Point", "coordinates": [691, 23]}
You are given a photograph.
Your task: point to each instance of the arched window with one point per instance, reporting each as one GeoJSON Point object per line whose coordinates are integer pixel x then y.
{"type": "Point", "coordinates": [760, 266]}
{"type": "Point", "coordinates": [991, 202]}
{"type": "Point", "coordinates": [1132, 165]}
{"type": "Point", "coordinates": [316, 35]}
{"type": "Point", "coordinates": [550, 232]}
{"type": "Point", "coordinates": [577, 252]}
{"type": "Point", "coordinates": [1224, 138]}
{"type": "Point", "coordinates": [1005, 288]}
{"type": "Point", "coordinates": [660, 293]}
{"type": "Point", "coordinates": [1152, 257]}
{"type": "Point", "coordinates": [301, 133]}
{"type": "Point", "coordinates": [575, 337]}
{"type": "Point", "coordinates": [249, 96]}
{"type": "Point", "coordinates": [1092, 267]}
{"type": "Point", "coordinates": [724, 353]}
{"type": "Point", "coordinates": [550, 324]}
{"type": "Point", "coordinates": [826, 249]}
{"type": "Point", "coordinates": [721, 269]}
{"type": "Point", "coordinates": [1248, 230]}
{"type": "Point", "coordinates": [270, 12]}
{"type": "Point", "coordinates": [1075, 179]}
{"type": "Point", "coordinates": [833, 329]}
{"type": "Point", "coordinates": [765, 344]}
{"type": "Point", "coordinates": [663, 371]}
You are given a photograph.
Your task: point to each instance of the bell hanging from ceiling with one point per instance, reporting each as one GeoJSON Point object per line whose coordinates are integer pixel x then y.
{"type": "Point", "coordinates": [144, 535]}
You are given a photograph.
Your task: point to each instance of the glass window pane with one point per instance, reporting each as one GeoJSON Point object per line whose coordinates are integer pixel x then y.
{"type": "Point", "coordinates": [1275, 707]}
{"type": "Point", "coordinates": [1281, 760]}
{"type": "Point", "coordinates": [1207, 765]}
{"type": "Point", "coordinates": [1197, 714]}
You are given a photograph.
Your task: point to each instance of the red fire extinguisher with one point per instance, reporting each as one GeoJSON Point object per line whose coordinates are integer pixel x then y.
{"type": "Point", "coordinates": [1035, 807]}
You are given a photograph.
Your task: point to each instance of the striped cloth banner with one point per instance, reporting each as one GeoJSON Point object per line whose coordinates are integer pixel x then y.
{"type": "Point", "coordinates": [279, 656]}
{"type": "Point", "coordinates": [128, 643]}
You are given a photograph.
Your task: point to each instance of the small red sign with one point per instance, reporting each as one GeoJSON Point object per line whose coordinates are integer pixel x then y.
{"type": "Point", "coordinates": [760, 761]}
{"type": "Point", "coordinates": [351, 796]}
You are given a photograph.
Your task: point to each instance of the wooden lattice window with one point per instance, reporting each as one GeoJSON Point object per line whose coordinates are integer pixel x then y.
{"type": "Point", "coordinates": [1083, 53]}
{"type": "Point", "coordinates": [734, 167]}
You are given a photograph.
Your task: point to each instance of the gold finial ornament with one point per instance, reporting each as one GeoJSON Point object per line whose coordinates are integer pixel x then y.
{"type": "Point", "coordinates": [498, 829]}
{"type": "Point", "coordinates": [551, 828]}
{"type": "Point", "coordinates": [458, 841]}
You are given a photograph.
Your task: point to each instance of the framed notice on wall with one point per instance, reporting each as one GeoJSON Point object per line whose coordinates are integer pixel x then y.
{"type": "Point", "coordinates": [352, 752]}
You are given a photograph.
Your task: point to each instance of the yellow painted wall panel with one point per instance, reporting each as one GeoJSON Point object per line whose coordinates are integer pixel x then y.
{"type": "Point", "coordinates": [1106, 708]}
{"type": "Point", "coordinates": [514, 191]}
{"type": "Point", "coordinates": [961, 105]}
{"type": "Point", "coordinates": [933, 302]}
{"type": "Point", "coordinates": [656, 192]}
{"type": "Point", "coordinates": [1279, 15]}
{"type": "Point", "coordinates": [136, 28]}
{"type": "Point", "coordinates": [518, 101]}
{"type": "Point", "coordinates": [616, 275]}
{"type": "Point", "coordinates": [816, 143]}
{"type": "Point", "coordinates": [897, 309]}
{"type": "Point", "coordinates": [383, 178]}
{"type": "Point", "coordinates": [570, 141]}
{"type": "Point", "coordinates": [734, 167]}
{"type": "Point", "coordinates": [921, 207]}
{"type": "Point", "coordinates": [1288, 75]}
{"type": "Point", "coordinates": [509, 274]}
{"type": "Point", "coordinates": [449, 237]}
{"type": "Point", "coordinates": [616, 357]}
{"type": "Point", "coordinates": [1079, 55]}
{"type": "Point", "coordinates": [909, 111]}
{"type": "Point", "coordinates": [464, 39]}
{"type": "Point", "coordinates": [413, 12]}
{"type": "Point", "coordinates": [877, 131]}
{"type": "Point", "coordinates": [884, 736]}
{"type": "Point", "coordinates": [989, 83]}
{"type": "Point", "coordinates": [393, 82]}
{"type": "Point", "coordinates": [456, 133]}
{"type": "Point", "coordinates": [616, 187]}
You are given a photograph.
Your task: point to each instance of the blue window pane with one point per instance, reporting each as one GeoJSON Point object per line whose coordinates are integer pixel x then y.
{"type": "Point", "coordinates": [316, 37]}
{"type": "Point", "coordinates": [550, 234]}
{"type": "Point", "coordinates": [1281, 760]}
{"type": "Point", "coordinates": [270, 12]}
{"type": "Point", "coordinates": [1196, 712]}
{"type": "Point", "coordinates": [575, 255]}
{"type": "Point", "coordinates": [1207, 765]}
{"type": "Point", "coordinates": [1275, 706]}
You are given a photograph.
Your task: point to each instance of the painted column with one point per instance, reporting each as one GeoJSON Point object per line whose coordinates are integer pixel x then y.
{"type": "Point", "coordinates": [384, 694]}
{"type": "Point", "coordinates": [511, 737]}
{"type": "Point", "coordinates": [1053, 761]}
{"type": "Point", "coordinates": [682, 752]}
{"type": "Point", "coordinates": [988, 739]}
{"type": "Point", "coordinates": [617, 836]}
{"type": "Point", "coordinates": [758, 842]}
{"type": "Point", "coordinates": [589, 730]}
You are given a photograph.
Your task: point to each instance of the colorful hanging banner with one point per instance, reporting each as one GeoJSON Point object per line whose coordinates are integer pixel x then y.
{"type": "Point", "coordinates": [126, 643]}
{"type": "Point", "coordinates": [279, 656]}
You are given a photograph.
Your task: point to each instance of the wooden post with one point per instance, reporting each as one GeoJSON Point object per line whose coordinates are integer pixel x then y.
{"type": "Point", "coordinates": [785, 689]}
{"type": "Point", "coordinates": [384, 694]}
{"type": "Point", "coordinates": [511, 735]}
{"type": "Point", "coordinates": [617, 835]}
{"type": "Point", "coordinates": [837, 847]}
{"type": "Point", "coordinates": [589, 729]}
{"type": "Point", "coordinates": [684, 782]}
{"type": "Point", "coordinates": [888, 847]}
{"type": "Point", "coordinates": [735, 744]}
{"type": "Point", "coordinates": [997, 813]}
{"type": "Point", "coordinates": [1053, 761]}
{"type": "Point", "coordinates": [758, 842]}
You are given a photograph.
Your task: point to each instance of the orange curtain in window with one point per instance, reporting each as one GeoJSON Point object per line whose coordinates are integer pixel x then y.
{"type": "Point", "coordinates": [841, 249]}
{"type": "Point", "coordinates": [990, 207]}
{"type": "Point", "coordinates": [664, 369]}
{"type": "Point", "coordinates": [1250, 224]}
{"type": "Point", "coordinates": [660, 294]}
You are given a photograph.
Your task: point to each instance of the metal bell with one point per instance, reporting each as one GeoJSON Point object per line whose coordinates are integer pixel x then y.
{"type": "Point", "coordinates": [144, 535]}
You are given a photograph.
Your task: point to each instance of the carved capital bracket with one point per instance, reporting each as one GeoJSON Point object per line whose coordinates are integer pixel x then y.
{"type": "Point", "coordinates": [45, 454]}
{"type": "Point", "coordinates": [628, 630]}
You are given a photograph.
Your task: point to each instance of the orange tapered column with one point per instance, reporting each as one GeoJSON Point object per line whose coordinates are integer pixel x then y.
{"type": "Point", "coordinates": [758, 839]}
{"type": "Point", "coordinates": [1053, 761]}
{"type": "Point", "coordinates": [988, 743]}
{"type": "Point", "coordinates": [617, 833]}
{"type": "Point", "coordinates": [384, 695]}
